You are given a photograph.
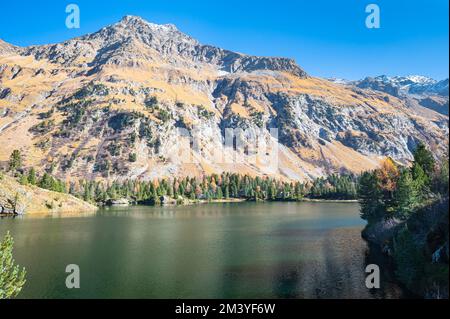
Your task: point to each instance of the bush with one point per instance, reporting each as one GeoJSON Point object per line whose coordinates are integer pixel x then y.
{"type": "Point", "coordinates": [92, 89]}
{"type": "Point", "coordinates": [43, 127]}
{"type": "Point", "coordinates": [122, 121]}
{"type": "Point", "coordinates": [132, 157]}
{"type": "Point", "coordinates": [258, 119]}
{"type": "Point", "coordinates": [114, 149]}
{"type": "Point", "coordinates": [204, 113]}
{"type": "Point", "coordinates": [164, 115]}
{"type": "Point", "coordinates": [151, 103]}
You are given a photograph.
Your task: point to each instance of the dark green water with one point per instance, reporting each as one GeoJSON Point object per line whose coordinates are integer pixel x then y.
{"type": "Point", "coordinates": [238, 250]}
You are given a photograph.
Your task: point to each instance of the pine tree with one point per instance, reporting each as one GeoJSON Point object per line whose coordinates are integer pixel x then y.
{"type": "Point", "coordinates": [219, 194]}
{"type": "Point", "coordinates": [440, 179]}
{"type": "Point", "coordinates": [227, 192]}
{"type": "Point", "coordinates": [155, 197]}
{"type": "Point", "coordinates": [424, 158]}
{"type": "Point", "coordinates": [23, 179]}
{"type": "Point", "coordinates": [12, 279]}
{"type": "Point", "coordinates": [15, 161]}
{"type": "Point", "coordinates": [32, 176]}
{"type": "Point", "coordinates": [272, 192]}
{"type": "Point", "coordinates": [406, 195]}
{"type": "Point", "coordinates": [370, 197]}
{"type": "Point", "coordinates": [421, 180]}
{"type": "Point", "coordinates": [46, 181]}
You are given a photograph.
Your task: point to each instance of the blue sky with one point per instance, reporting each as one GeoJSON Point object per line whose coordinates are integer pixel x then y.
{"type": "Point", "coordinates": [327, 38]}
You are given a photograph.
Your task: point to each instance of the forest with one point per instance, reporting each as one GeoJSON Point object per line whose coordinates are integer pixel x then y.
{"type": "Point", "coordinates": [209, 188]}
{"type": "Point", "coordinates": [392, 190]}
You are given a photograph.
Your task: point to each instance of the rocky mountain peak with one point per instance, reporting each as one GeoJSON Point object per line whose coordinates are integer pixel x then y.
{"type": "Point", "coordinates": [133, 40]}
{"type": "Point", "coordinates": [133, 27]}
{"type": "Point", "coordinates": [404, 85]}
{"type": "Point", "coordinates": [136, 22]}
{"type": "Point", "coordinates": [6, 48]}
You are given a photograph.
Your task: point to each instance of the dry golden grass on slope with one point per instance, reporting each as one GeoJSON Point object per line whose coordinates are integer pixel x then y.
{"type": "Point", "coordinates": [239, 110]}
{"type": "Point", "coordinates": [157, 77]}
{"type": "Point", "coordinates": [332, 92]}
{"type": "Point", "coordinates": [337, 155]}
{"type": "Point", "coordinates": [192, 88]}
{"type": "Point", "coordinates": [36, 200]}
{"type": "Point", "coordinates": [31, 84]}
{"type": "Point", "coordinates": [348, 158]}
{"type": "Point", "coordinates": [17, 136]}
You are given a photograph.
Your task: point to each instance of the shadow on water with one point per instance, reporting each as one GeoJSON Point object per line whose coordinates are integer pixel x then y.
{"type": "Point", "coordinates": [334, 267]}
{"type": "Point", "coordinates": [391, 288]}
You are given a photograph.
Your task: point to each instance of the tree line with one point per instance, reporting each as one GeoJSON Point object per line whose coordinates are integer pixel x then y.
{"type": "Point", "coordinates": [211, 187]}
{"type": "Point", "coordinates": [390, 191]}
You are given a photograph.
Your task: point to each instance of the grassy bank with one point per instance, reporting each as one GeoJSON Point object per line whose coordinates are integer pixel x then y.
{"type": "Point", "coordinates": [17, 199]}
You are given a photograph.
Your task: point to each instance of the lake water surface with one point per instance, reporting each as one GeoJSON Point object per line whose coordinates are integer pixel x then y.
{"type": "Point", "coordinates": [230, 250]}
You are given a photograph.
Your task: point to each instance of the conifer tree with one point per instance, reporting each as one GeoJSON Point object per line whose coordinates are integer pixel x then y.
{"type": "Point", "coordinates": [12, 278]}
{"type": "Point", "coordinates": [15, 161]}
{"type": "Point", "coordinates": [406, 196]}
{"type": "Point", "coordinates": [32, 176]}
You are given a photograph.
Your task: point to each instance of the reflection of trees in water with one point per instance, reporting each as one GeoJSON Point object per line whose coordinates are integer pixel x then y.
{"type": "Point", "coordinates": [389, 287]}
{"type": "Point", "coordinates": [332, 265]}
{"type": "Point", "coordinates": [287, 283]}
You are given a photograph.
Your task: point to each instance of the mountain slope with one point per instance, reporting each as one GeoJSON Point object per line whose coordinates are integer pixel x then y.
{"type": "Point", "coordinates": [416, 90]}
{"type": "Point", "coordinates": [109, 105]}
{"type": "Point", "coordinates": [413, 84]}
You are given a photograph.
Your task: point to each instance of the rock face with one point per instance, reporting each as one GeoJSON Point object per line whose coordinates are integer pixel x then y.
{"type": "Point", "coordinates": [111, 105]}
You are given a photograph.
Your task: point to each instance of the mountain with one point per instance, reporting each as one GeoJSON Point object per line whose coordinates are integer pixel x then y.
{"type": "Point", "coordinates": [109, 105]}
{"type": "Point", "coordinates": [133, 41]}
{"type": "Point", "coordinates": [416, 89]}
{"type": "Point", "coordinates": [402, 85]}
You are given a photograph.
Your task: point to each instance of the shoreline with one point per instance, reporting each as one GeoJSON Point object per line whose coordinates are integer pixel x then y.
{"type": "Point", "coordinates": [189, 203]}
{"type": "Point", "coordinates": [312, 200]}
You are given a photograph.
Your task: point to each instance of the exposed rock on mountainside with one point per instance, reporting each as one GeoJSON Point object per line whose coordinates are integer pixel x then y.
{"type": "Point", "coordinates": [6, 48]}
{"type": "Point", "coordinates": [416, 90]}
{"type": "Point", "coordinates": [110, 104]}
{"type": "Point", "coordinates": [133, 40]}
{"type": "Point", "coordinates": [413, 84]}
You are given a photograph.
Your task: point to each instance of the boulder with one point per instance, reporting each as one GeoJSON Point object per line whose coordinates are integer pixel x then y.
{"type": "Point", "coordinates": [118, 202]}
{"type": "Point", "coordinates": [167, 201]}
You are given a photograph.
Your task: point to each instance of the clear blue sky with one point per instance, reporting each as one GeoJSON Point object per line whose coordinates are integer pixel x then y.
{"type": "Point", "coordinates": [327, 38]}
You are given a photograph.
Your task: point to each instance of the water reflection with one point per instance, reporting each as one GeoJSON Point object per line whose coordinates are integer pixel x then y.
{"type": "Point", "coordinates": [238, 250]}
